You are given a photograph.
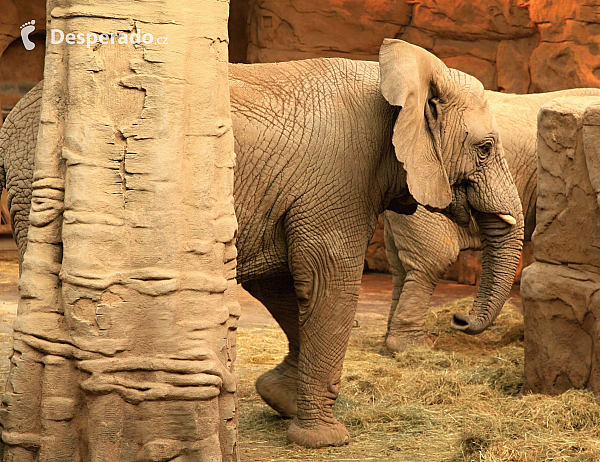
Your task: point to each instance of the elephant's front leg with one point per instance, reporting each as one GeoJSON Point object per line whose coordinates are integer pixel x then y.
{"type": "Point", "coordinates": [419, 249]}
{"type": "Point", "coordinates": [327, 300]}
{"type": "Point", "coordinates": [410, 300]}
{"type": "Point", "coordinates": [406, 327]}
{"type": "Point", "coordinates": [397, 270]}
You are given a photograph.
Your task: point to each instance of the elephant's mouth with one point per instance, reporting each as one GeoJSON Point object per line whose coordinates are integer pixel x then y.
{"type": "Point", "coordinates": [461, 211]}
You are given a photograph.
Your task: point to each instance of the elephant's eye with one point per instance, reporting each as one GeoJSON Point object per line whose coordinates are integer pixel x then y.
{"type": "Point", "coordinates": [484, 150]}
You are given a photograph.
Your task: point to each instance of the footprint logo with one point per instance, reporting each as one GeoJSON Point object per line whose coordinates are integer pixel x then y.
{"type": "Point", "coordinates": [27, 29]}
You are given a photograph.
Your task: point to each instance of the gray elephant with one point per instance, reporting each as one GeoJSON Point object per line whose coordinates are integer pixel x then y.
{"type": "Point", "coordinates": [422, 246]}
{"type": "Point", "coordinates": [323, 146]}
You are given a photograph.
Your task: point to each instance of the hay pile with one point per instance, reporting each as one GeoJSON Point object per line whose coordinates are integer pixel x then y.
{"type": "Point", "coordinates": [457, 402]}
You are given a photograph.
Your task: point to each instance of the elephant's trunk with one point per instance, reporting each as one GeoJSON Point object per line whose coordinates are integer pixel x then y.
{"type": "Point", "coordinates": [502, 243]}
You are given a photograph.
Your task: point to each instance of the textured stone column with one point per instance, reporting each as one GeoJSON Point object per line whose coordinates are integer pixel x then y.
{"type": "Point", "coordinates": [125, 335]}
{"type": "Point", "coordinates": [561, 291]}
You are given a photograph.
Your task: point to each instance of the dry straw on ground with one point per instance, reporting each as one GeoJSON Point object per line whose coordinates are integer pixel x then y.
{"type": "Point", "coordinates": [458, 402]}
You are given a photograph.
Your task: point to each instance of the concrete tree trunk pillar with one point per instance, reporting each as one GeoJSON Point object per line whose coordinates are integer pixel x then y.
{"type": "Point", "coordinates": [561, 291]}
{"type": "Point", "coordinates": [125, 336]}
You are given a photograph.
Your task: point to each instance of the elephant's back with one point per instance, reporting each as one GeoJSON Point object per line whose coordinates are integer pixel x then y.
{"type": "Point", "coordinates": [283, 96]}
{"type": "Point", "coordinates": [307, 75]}
{"type": "Point", "coordinates": [288, 117]}
{"type": "Point", "coordinates": [288, 121]}
{"type": "Point", "coordinates": [300, 101]}
{"type": "Point", "coordinates": [274, 91]}
{"type": "Point", "coordinates": [518, 112]}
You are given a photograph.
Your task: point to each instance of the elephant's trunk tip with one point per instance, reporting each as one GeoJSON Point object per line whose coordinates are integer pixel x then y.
{"type": "Point", "coordinates": [466, 324]}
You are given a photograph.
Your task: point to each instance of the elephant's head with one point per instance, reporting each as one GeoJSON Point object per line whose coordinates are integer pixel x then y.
{"type": "Point", "coordinates": [448, 142]}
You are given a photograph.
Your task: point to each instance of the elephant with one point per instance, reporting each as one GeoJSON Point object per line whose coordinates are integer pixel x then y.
{"type": "Point", "coordinates": [323, 147]}
{"type": "Point", "coordinates": [421, 247]}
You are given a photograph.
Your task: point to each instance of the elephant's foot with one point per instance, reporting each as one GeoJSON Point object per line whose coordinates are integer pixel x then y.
{"type": "Point", "coordinates": [399, 342]}
{"type": "Point", "coordinates": [318, 435]}
{"type": "Point", "coordinates": [277, 388]}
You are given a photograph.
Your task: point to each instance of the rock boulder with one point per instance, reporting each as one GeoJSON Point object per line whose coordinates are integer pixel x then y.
{"type": "Point", "coordinates": [561, 291]}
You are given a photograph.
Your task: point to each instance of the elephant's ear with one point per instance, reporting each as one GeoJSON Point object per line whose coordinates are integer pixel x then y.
{"type": "Point", "coordinates": [410, 78]}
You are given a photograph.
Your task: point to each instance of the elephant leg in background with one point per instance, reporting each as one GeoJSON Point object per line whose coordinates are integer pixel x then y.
{"type": "Point", "coordinates": [410, 301]}
{"type": "Point", "coordinates": [418, 257]}
{"type": "Point", "coordinates": [327, 295]}
{"type": "Point", "coordinates": [398, 275]}
{"type": "Point", "coordinates": [277, 387]}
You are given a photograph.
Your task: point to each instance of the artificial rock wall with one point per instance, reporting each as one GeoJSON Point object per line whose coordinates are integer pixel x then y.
{"type": "Point", "coordinates": [516, 46]}
{"type": "Point", "coordinates": [20, 69]}
{"type": "Point", "coordinates": [520, 46]}
{"type": "Point", "coordinates": [561, 291]}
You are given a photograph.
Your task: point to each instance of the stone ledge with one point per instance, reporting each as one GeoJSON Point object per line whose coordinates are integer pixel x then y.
{"type": "Point", "coordinates": [561, 309]}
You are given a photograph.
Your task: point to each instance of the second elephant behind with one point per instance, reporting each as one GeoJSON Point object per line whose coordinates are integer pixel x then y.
{"type": "Point", "coordinates": [422, 246]}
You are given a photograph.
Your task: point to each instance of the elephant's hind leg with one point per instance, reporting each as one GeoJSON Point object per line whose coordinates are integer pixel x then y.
{"type": "Point", "coordinates": [277, 387]}
{"type": "Point", "coordinates": [327, 282]}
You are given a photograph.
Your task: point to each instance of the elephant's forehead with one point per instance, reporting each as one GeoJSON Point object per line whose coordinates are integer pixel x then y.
{"type": "Point", "coordinates": [476, 93]}
{"type": "Point", "coordinates": [470, 86]}
{"type": "Point", "coordinates": [478, 115]}
{"type": "Point", "coordinates": [480, 122]}
{"type": "Point", "coordinates": [473, 95]}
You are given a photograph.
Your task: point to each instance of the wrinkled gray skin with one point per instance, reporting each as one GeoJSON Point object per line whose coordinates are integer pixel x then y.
{"type": "Point", "coordinates": [422, 246]}
{"type": "Point", "coordinates": [18, 136]}
{"type": "Point", "coordinates": [316, 165]}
